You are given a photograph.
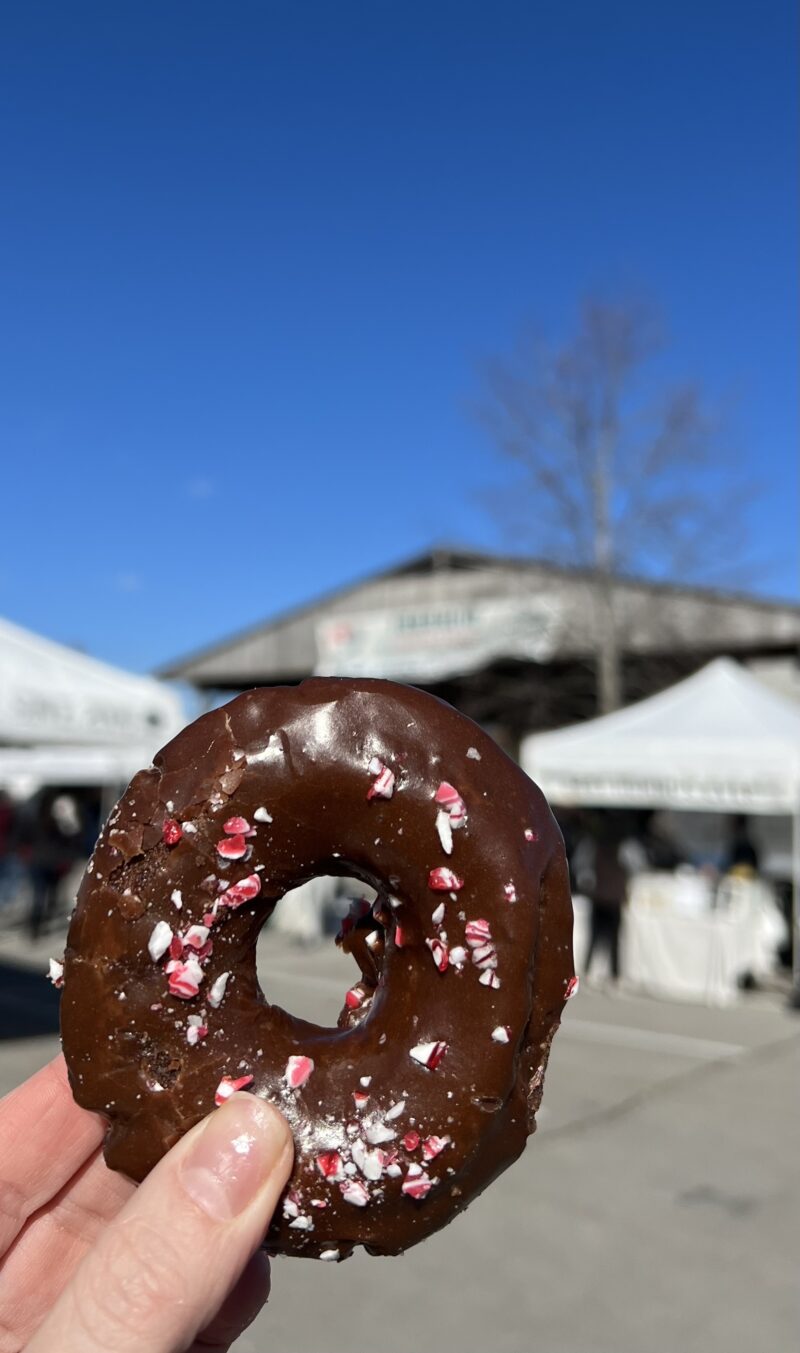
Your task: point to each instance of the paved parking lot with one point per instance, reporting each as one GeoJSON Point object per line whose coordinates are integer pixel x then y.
{"type": "Point", "coordinates": [656, 1208]}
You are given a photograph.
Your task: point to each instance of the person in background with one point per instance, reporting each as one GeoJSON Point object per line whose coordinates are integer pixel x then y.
{"type": "Point", "coordinates": [601, 872]}
{"type": "Point", "coordinates": [56, 840]}
{"type": "Point", "coordinates": [742, 853]}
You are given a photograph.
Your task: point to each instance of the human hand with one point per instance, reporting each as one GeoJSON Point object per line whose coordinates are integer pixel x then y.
{"type": "Point", "coordinates": [92, 1264]}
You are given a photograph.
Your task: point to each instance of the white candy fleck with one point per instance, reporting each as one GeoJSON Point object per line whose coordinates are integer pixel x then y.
{"type": "Point", "coordinates": [261, 815]}
{"type": "Point", "coordinates": [217, 991]}
{"type": "Point", "coordinates": [445, 831]}
{"type": "Point", "coordinates": [500, 1034]}
{"type": "Point", "coordinates": [330, 1255]}
{"type": "Point", "coordinates": [159, 941]}
{"type": "Point", "coordinates": [176, 897]}
{"type": "Point", "coordinates": [395, 1110]}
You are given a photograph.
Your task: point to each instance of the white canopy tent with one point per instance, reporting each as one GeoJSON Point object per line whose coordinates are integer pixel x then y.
{"type": "Point", "coordinates": [720, 741]}
{"type": "Point", "coordinates": [66, 718]}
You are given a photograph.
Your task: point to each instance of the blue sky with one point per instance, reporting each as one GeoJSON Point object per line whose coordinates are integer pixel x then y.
{"type": "Point", "coordinates": [252, 254]}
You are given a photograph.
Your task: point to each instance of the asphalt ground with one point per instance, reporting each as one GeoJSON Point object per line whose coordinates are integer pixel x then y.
{"type": "Point", "coordinates": [656, 1209]}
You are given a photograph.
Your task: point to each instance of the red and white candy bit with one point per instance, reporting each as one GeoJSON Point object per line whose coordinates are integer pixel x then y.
{"type": "Point", "coordinates": [428, 1054]}
{"type": "Point", "coordinates": [572, 988]}
{"type": "Point", "coordinates": [329, 1164]}
{"type": "Point", "coordinates": [217, 990]}
{"type": "Point", "coordinates": [238, 826]}
{"type": "Point", "coordinates": [370, 1163]}
{"type": "Point", "coordinates": [160, 940]}
{"type": "Point", "coordinates": [451, 801]}
{"type": "Point", "coordinates": [232, 847]}
{"type": "Point", "coordinates": [438, 953]}
{"type": "Point", "coordinates": [510, 892]}
{"type": "Point", "coordinates": [360, 1099]}
{"type": "Point", "coordinates": [477, 932]}
{"type": "Point", "coordinates": [432, 1146]}
{"type": "Point", "coordinates": [298, 1070]}
{"type": "Point", "coordinates": [411, 1140]}
{"type": "Point", "coordinates": [489, 979]}
{"type": "Point", "coordinates": [228, 1086]}
{"type": "Point", "coordinates": [55, 972]}
{"type": "Point", "coordinates": [530, 834]}
{"type": "Point", "coordinates": [195, 937]}
{"type": "Point", "coordinates": [416, 1183]}
{"type": "Point", "coordinates": [239, 893]}
{"type": "Point", "coordinates": [354, 998]}
{"type": "Point", "coordinates": [443, 880]}
{"type": "Point", "coordinates": [171, 832]}
{"type": "Point", "coordinates": [196, 1030]}
{"type": "Point", "coordinates": [399, 937]}
{"type": "Point", "coordinates": [184, 978]}
{"type": "Point", "coordinates": [382, 786]}
{"type": "Point", "coordinates": [500, 1034]}
{"type": "Point", "coordinates": [355, 1192]}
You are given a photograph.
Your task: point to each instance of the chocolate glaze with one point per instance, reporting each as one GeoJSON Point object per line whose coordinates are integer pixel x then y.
{"type": "Point", "coordinates": [295, 764]}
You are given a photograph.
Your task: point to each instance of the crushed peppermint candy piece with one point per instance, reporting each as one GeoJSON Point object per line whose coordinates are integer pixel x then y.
{"type": "Point", "coordinates": [239, 893]}
{"type": "Point", "coordinates": [510, 892]}
{"type": "Point", "coordinates": [290, 1207]}
{"type": "Point", "coordinates": [500, 1034]}
{"type": "Point", "coordinates": [329, 1164]}
{"type": "Point", "coordinates": [354, 998]}
{"type": "Point", "coordinates": [448, 798]}
{"type": "Point", "coordinates": [176, 898]}
{"type": "Point", "coordinates": [302, 1223]}
{"type": "Point", "coordinates": [437, 915]}
{"type": "Point", "coordinates": [429, 1054]}
{"type": "Point", "coordinates": [443, 880]}
{"type": "Point", "coordinates": [382, 786]}
{"type": "Point", "coordinates": [438, 953]}
{"type": "Point", "coordinates": [370, 1163]}
{"type": "Point", "coordinates": [416, 1184]}
{"type": "Point", "coordinates": [488, 978]}
{"type": "Point", "coordinates": [55, 972]}
{"type": "Point", "coordinates": [473, 754]}
{"type": "Point", "coordinates": [330, 1256]}
{"type": "Point", "coordinates": [171, 832]}
{"type": "Point", "coordinates": [360, 1100]}
{"type": "Point", "coordinates": [432, 1146]}
{"type": "Point", "coordinates": [237, 826]}
{"type": "Point", "coordinates": [366, 1081]}
{"type": "Point", "coordinates": [395, 1110]}
{"type": "Point", "coordinates": [217, 990]}
{"type": "Point", "coordinates": [572, 988]}
{"type": "Point", "coordinates": [458, 956]}
{"type": "Point", "coordinates": [184, 978]}
{"type": "Point", "coordinates": [399, 936]}
{"type": "Point", "coordinates": [228, 1086]}
{"type": "Point", "coordinates": [477, 932]}
{"type": "Point", "coordinates": [196, 1030]}
{"type": "Point", "coordinates": [195, 937]}
{"type": "Point", "coordinates": [355, 1192]}
{"type": "Point", "coordinates": [411, 1141]}
{"type": "Point", "coordinates": [377, 1133]}
{"type": "Point", "coordinates": [445, 831]}
{"type": "Point", "coordinates": [530, 834]}
{"type": "Point", "coordinates": [160, 940]}
{"type": "Point", "coordinates": [261, 815]}
{"type": "Point", "coordinates": [232, 847]}
{"type": "Point", "coordinates": [298, 1070]}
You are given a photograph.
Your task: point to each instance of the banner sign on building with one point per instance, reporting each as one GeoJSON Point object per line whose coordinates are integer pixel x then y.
{"type": "Point", "coordinates": [434, 642]}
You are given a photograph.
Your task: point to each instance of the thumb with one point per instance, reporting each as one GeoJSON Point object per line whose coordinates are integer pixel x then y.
{"type": "Point", "coordinates": [164, 1266]}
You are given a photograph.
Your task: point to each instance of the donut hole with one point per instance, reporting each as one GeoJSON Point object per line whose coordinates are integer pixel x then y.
{"type": "Point", "coordinates": [298, 966]}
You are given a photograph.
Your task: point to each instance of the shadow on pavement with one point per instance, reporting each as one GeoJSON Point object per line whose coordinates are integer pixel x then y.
{"type": "Point", "coordinates": [28, 1003]}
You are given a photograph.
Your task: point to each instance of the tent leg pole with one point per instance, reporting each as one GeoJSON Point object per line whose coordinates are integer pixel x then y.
{"type": "Point", "coordinates": [794, 999]}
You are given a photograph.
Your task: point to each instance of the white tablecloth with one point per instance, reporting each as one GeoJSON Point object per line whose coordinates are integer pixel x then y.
{"type": "Point", "coordinates": [672, 948]}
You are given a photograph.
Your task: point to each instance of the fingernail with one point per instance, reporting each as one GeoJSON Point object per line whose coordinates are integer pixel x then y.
{"type": "Point", "coordinates": [232, 1157]}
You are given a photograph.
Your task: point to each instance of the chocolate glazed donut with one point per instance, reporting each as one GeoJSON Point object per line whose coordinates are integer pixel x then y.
{"type": "Point", "coordinates": [429, 1086]}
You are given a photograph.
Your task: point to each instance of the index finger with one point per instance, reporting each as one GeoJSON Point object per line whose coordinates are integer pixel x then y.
{"type": "Point", "coordinates": [44, 1139]}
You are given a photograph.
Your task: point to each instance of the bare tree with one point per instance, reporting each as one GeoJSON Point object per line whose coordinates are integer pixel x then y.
{"type": "Point", "coordinates": [617, 471]}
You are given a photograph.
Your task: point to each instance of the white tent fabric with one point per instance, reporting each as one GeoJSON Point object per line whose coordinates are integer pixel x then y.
{"type": "Point", "coordinates": [719, 741]}
{"type": "Point", "coordinates": [67, 718]}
